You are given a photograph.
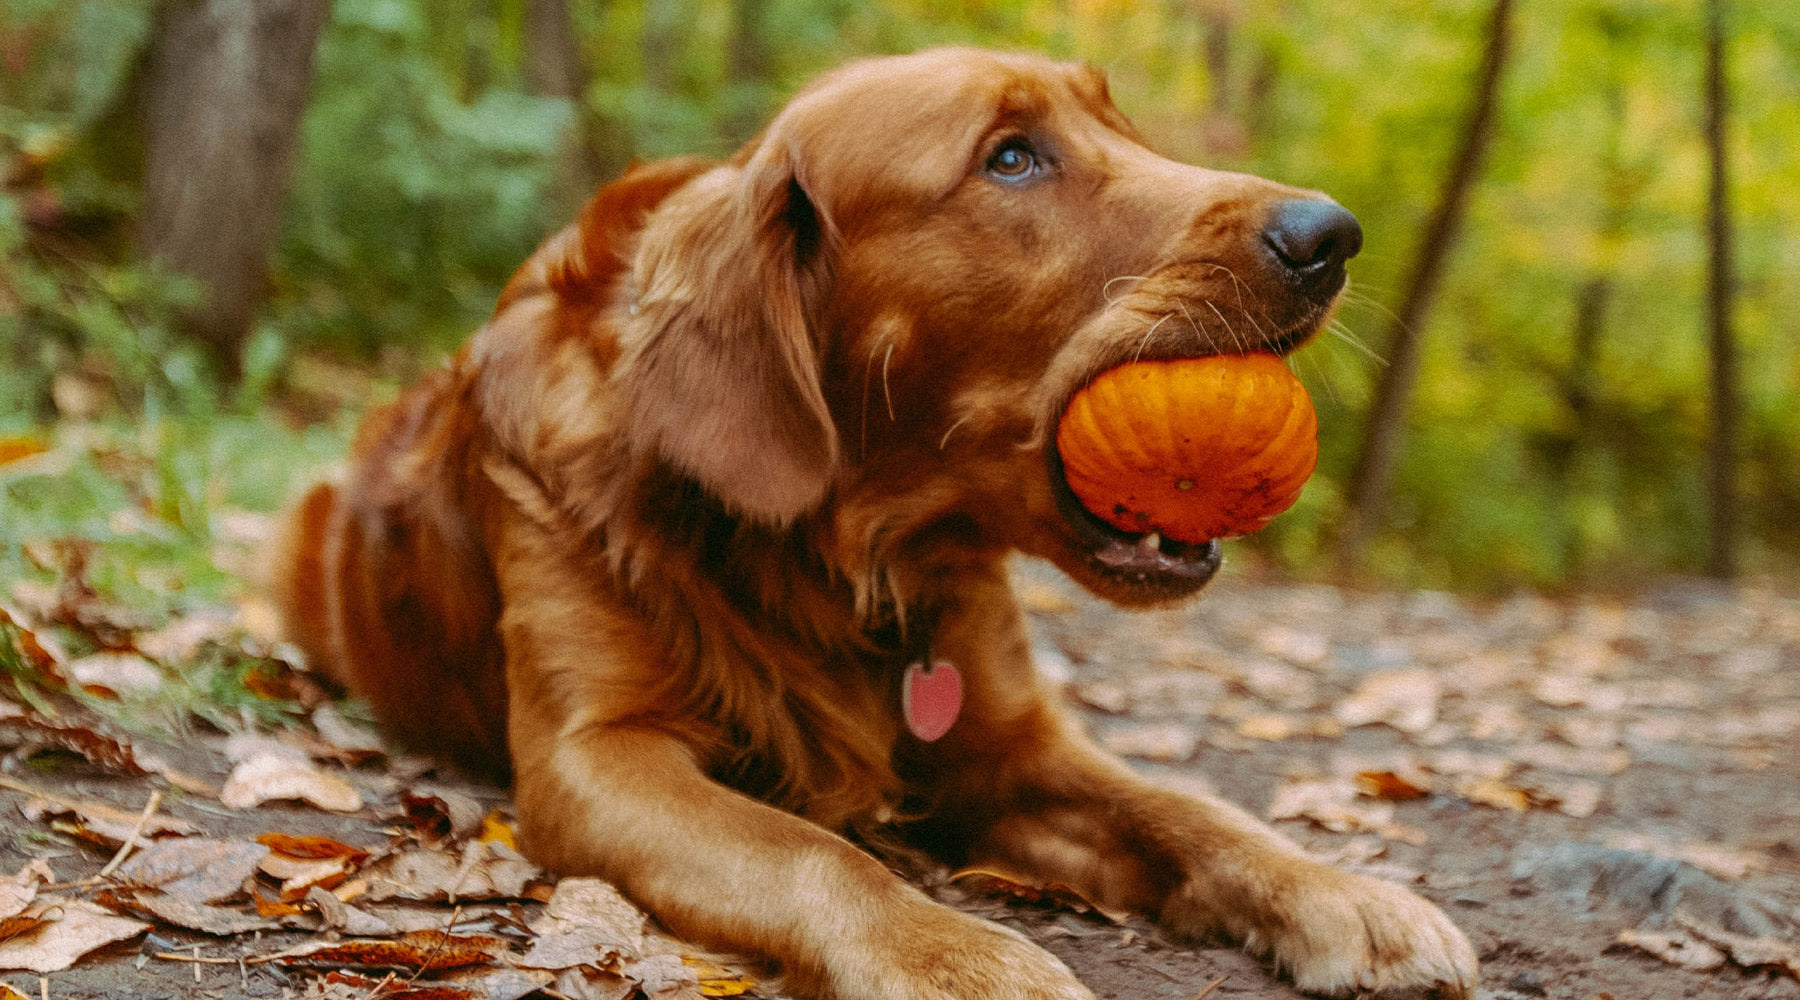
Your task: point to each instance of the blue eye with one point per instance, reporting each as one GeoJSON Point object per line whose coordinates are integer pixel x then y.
{"type": "Point", "coordinates": [1012, 162]}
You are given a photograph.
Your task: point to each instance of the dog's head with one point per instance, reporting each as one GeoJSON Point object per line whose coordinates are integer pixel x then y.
{"type": "Point", "coordinates": [876, 312]}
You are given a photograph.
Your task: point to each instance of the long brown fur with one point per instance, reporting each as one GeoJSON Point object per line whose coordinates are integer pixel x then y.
{"type": "Point", "coordinates": [747, 439]}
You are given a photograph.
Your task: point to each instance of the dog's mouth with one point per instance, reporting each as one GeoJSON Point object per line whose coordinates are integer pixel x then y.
{"type": "Point", "coordinates": [1154, 566]}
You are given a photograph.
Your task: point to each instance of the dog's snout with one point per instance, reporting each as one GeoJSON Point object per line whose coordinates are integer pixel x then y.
{"type": "Point", "coordinates": [1312, 238]}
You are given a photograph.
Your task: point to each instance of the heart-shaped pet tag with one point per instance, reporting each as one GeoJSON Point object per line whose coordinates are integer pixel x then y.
{"type": "Point", "coordinates": [931, 698]}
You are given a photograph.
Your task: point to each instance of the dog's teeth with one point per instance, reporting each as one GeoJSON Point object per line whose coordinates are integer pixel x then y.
{"type": "Point", "coordinates": [1152, 541]}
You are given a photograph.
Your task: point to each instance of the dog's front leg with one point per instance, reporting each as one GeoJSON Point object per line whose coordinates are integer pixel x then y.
{"type": "Point", "coordinates": [1022, 790]}
{"type": "Point", "coordinates": [604, 789]}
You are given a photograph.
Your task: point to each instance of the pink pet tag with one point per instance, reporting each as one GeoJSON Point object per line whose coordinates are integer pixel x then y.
{"type": "Point", "coordinates": [931, 699]}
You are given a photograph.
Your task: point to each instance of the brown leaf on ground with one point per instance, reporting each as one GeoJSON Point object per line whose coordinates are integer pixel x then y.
{"type": "Point", "coordinates": [1495, 793]}
{"type": "Point", "coordinates": [32, 732]}
{"type": "Point", "coordinates": [185, 636]}
{"type": "Point", "coordinates": [311, 848]}
{"type": "Point", "coordinates": [16, 893]}
{"type": "Point", "coordinates": [442, 813]}
{"type": "Point", "coordinates": [274, 775]}
{"type": "Point", "coordinates": [1051, 896]}
{"type": "Point", "coordinates": [486, 870]}
{"type": "Point", "coordinates": [350, 742]}
{"type": "Point", "coordinates": [1338, 806]}
{"type": "Point", "coordinates": [198, 868]}
{"type": "Point", "coordinates": [107, 825]}
{"type": "Point", "coordinates": [1168, 743]}
{"type": "Point", "coordinates": [69, 930]}
{"type": "Point", "coordinates": [1674, 947]}
{"type": "Point", "coordinates": [664, 977]}
{"type": "Point", "coordinates": [1407, 700]}
{"type": "Point", "coordinates": [1717, 860]}
{"type": "Point", "coordinates": [179, 880]}
{"type": "Point", "coordinates": [1744, 950]}
{"type": "Point", "coordinates": [419, 951]}
{"type": "Point", "coordinates": [1392, 786]}
{"type": "Point", "coordinates": [112, 674]}
{"type": "Point", "coordinates": [586, 923]}
{"type": "Point", "coordinates": [584, 983]}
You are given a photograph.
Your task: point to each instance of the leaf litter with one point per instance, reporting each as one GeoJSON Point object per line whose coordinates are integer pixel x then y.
{"type": "Point", "coordinates": [1391, 721]}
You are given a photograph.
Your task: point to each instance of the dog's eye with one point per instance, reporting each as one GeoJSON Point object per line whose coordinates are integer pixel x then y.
{"type": "Point", "coordinates": [1012, 162]}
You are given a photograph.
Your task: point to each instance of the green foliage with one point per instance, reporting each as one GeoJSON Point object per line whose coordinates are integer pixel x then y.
{"type": "Point", "coordinates": [412, 203]}
{"type": "Point", "coordinates": [426, 174]}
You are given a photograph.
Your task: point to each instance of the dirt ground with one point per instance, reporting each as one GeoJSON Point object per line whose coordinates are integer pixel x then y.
{"type": "Point", "coordinates": [1554, 773]}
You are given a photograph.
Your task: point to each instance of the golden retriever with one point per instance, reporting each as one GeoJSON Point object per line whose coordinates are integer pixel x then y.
{"type": "Point", "coordinates": [684, 539]}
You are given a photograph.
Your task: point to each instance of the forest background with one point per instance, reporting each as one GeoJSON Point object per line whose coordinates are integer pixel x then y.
{"type": "Point", "coordinates": [1570, 358]}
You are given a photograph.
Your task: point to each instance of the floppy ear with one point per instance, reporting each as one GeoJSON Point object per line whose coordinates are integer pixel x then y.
{"type": "Point", "coordinates": [720, 369]}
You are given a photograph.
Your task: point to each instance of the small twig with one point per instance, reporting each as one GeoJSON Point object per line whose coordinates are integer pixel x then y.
{"type": "Point", "coordinates": [1215, 984]}
{"type": "Point", "coordinates": [176, 956]}
{"type": "Point", "coordinates": [132, 839]}
{"type": "Point", "coordinates": [455, 915]}
{"type": "Point", "coordinates": [196, 964]}
{"type": "Point", "coordinates": [375, 991]}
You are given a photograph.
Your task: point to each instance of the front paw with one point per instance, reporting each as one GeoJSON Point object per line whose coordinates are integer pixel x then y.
{"type": "Point", "coordinates": [1337, 934]}
{"type": "Point", "coordinates": [938, 953]}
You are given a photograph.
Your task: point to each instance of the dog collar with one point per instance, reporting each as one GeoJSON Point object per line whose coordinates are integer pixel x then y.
{"type": "Point", "coordinates": [931, 697]}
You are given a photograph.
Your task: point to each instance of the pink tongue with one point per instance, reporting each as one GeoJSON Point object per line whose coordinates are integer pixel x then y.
{"type": "Point", "coordinates": [931, 699]}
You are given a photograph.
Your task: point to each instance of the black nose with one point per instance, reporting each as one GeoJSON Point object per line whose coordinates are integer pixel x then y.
{"type": "Point", "coordinates": [1313, 238]}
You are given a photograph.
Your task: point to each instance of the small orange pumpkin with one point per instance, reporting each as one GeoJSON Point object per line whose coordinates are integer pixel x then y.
{"type": "Point", "coordinates": [1195, 449]}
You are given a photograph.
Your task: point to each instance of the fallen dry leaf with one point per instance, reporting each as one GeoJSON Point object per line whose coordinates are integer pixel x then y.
{"type": "Point", "coordinates": [112, 674]}
{"type": "Point", "coordinates": [16, 893]}
{"type": "Point", "coordinates": [271, 776]}
{"type": "Point", "coordinates": [485, 870]}
{"type": "Point", "coordinates": [584, 983]}
{"type": "Point", "coordinates": [1496, 793]}
{"type": "Point", "coordinates": [442, 813]}
{"type": "Point", "coordinates": [311, 848]}
{"type": "Point", "coordinates": [179, 880]}
{"type": "Point", "coordinates": [1716, 860]}
{"type": "Point", "coordinates": [350, 741]}
{"type": "Point", "coordinates": [419, 951]}
{"type": "Point", "coordinates": [664, 976]}
{"type": "Point", "coordinates": [71, 930]}
{"type": "Point", "coordinates": [1407, 700]}
{"type": "Point", "coordinates": [1675, 947]}
{"type": "Point", "coordinates": [1744, 950]}
{"type": "Point", "coordinates": [1169, 743]}
{"type": "Point", "coordinates": [1051, 896]}
{"type": "Point", "coordinates": [585, 922]}
{"type": "Point", "coordinates": [109, 826]}
{"type": "Point", "coordinates": [198, 868]}
{"type": "Point", "coordinates": [1338, 806]}
{"type": "Point", "coordinates": [1392, 786]}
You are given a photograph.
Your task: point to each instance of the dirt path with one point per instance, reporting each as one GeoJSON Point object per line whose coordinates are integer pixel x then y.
{"type": "Point", "coordinates": [1553, 773]}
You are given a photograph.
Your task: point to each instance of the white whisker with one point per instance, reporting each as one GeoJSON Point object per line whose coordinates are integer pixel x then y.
{"type": "Point", "coordinates": [885, 391]}
{"type": "Point", "coordinates": [946, 440]}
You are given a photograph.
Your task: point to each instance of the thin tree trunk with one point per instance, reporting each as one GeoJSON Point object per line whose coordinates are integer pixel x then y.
{"type": "Point", "coordinates": [1721, 556]}
{"type": "Point", "coordinates": [554, 68]}
{"type": "Point", "coordinates": [1577, 384]}
{"type": "Point", "coordinates": [665, 32]}
{"type": "Point", "coordinates": [226, 85]}
{"type": "Point", "coordinates": [1387, 417]}
{"type": "Point", "coordinates": [748, 68]}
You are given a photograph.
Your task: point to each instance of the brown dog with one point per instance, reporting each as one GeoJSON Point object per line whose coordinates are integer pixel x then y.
{"type": "Point", "coordinates": [747, 441]}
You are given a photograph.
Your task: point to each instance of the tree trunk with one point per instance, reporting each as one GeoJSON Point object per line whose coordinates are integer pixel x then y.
{"type": "Point", "coordinates": [554, 68]}
{"type": "Point", "coordinates": [1722, 500]}
{"type": "Point", "coordinates": [749, 66]}
{"type": "Point", "coordinates": [665, 37]}
{"type": "Point", "coordinates": [1387, 417]}
{"type": "Point", "coordinates": [226, 84]}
